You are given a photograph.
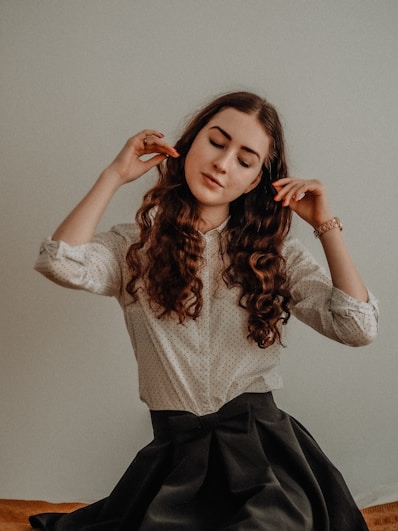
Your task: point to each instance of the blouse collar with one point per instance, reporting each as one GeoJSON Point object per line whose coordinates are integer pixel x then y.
{"type": "Point", "coordinates": [218, 229]}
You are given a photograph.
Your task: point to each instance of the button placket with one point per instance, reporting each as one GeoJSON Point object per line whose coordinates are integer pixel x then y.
{"type": "Point", "coordinates": [205, 339]}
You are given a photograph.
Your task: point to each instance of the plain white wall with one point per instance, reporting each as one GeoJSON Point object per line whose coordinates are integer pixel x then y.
{"type": "Point", "coordinates": [77, 78]}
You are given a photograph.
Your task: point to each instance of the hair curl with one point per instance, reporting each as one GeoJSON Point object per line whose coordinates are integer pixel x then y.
{"type": "Point", "coordinates": [168, 254]}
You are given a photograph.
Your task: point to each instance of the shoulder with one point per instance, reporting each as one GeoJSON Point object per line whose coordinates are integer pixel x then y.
{"type": "Point", "coordinates": [292, 246]}
{"type": "Point", "coordinates": [118, 239]}
{"type": "Point", "coordinates": [123, 232]}
{"type": "Point", "coordinates": [297, 256]}
{"type": "Point", "coordinates": [128, 231]}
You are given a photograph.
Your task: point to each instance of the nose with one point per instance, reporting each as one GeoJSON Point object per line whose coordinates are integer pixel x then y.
{"type": "Point", "coordinates": [221, 162]}
{"type": "Point", "coordinates": [218, 167]}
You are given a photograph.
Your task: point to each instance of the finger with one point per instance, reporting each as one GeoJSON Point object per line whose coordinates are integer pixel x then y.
{"type": "Point", "coordinates": [299, 192]}
{"type": "Point", "coordinates": [138, 141]}
{"type": "Point", "coordinates": [148, 136]}
{"type": "Point", "coordinates": [299, 196]}
{"type": "Point", "coordinates": [150, 132]}
{"type": "Point", "coordinates": [154, 161]}
{"type": "Point", "coordinates": [152, 145]}
{"type": "Point", "coordinates": [287, 190]}
{"type": "Point", "coordinates": [292, 192]}
{"type": "Point", "coordinates": [285, 181]}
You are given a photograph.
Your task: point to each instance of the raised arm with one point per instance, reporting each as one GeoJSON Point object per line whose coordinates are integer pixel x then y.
{"type": "Point", "coordinates": [308, 198]}
{"type": "Point", "coordinates": [80, 225]}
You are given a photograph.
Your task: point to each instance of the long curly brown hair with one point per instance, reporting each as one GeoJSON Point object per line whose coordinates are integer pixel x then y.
{"type": "Point", "coordinates": [167, 257]}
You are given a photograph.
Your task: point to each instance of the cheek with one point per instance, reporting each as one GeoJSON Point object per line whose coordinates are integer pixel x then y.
{"type": "Point", "coordinates": [191, 160]}
{"type": "Point", "coordinates": [247, 179]}
{"type": "Point", "coordinates": [189, 168]}
{"type": "Point", "coordinates": [187, 165]}
{"type": "Point", "coordinates": [253, 183]}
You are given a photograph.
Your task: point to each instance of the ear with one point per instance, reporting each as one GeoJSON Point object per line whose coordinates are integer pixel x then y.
{"type": "Point", "coordinates": [253, 185]}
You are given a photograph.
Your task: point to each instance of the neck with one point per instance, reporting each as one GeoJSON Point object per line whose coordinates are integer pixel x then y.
{"type": "Point", "coordinates": [205, 225]}
{"type": "Point", "coordinates": [212, 218]}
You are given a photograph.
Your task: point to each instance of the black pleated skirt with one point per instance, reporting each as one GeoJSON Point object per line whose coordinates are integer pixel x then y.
{"type": "Point", "coordinates": [250, 466]}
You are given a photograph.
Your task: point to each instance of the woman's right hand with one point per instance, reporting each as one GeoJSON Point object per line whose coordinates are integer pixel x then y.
{"type": "Point", "coordinates": [128, 165]}
{"type": "Point", "coordinates": [80, 225]}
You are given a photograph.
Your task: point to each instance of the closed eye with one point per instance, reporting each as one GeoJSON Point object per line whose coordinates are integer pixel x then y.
{"type": "Point", "coordinates": [216, 144]}
{"type": "Point", "coordinates": [242, 162]}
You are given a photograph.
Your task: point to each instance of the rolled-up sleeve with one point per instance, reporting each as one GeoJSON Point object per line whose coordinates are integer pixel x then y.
{"type": "Point", "coordinates": [96, 266]}
{"type": "Point", "coordinates": [330, 311]}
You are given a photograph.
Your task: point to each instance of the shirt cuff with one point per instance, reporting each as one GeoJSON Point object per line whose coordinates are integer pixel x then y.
{"type": "Point", "coordinates": [57, 249]}
{"type": "Point", "coordinates": [344, 304]}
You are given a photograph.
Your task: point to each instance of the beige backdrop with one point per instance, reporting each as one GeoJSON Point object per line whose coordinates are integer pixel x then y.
{"type": "Point", "coordinates": [79, 77]}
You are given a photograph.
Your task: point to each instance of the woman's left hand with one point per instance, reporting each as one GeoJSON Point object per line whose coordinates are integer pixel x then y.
{"type": "Point", "coordinates": [306, 197]}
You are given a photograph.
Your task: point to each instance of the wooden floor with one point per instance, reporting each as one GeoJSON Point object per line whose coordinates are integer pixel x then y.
{"type": "Point", "coordinates": [14, 514]}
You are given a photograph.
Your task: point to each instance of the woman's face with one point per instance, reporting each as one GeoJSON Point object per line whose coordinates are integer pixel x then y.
{"type": "Point", "coordinates": [225, 161]}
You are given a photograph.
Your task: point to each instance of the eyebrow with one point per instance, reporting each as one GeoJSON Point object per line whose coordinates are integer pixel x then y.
{"type": "Point", "coordinates": [229, 137]}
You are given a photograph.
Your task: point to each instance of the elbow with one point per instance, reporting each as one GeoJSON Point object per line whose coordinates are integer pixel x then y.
{"type": "Point", "coordinates": [364, 340]}
{"type": "Point", "coordinates": [370, 336]}
{"type": "Point", "coordinates": [357, 331]}
{"type": "Point", "coordinates": [363, 337]}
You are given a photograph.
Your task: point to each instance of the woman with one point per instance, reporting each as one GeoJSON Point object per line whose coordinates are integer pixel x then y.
{"type": "Point", "coordinates": [207, 278]}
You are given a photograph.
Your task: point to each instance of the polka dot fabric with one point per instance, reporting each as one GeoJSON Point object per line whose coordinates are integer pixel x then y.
{"type": "Point", "coordinates": [201, 365]}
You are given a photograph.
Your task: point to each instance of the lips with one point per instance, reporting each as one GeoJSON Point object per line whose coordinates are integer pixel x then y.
{"type": "Point", "coordinates": [212, 179]}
